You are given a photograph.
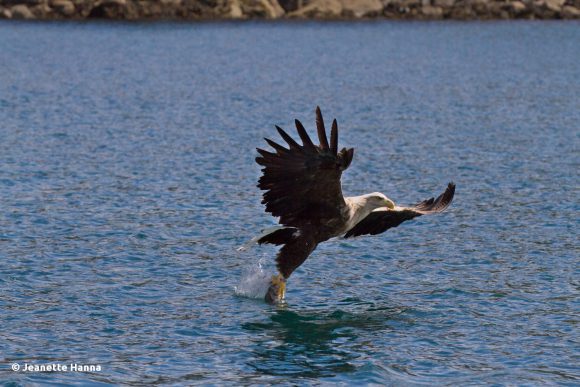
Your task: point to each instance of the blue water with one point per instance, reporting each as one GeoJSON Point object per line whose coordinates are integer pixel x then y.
{"type": "Point", "coordinates": [127, 181]}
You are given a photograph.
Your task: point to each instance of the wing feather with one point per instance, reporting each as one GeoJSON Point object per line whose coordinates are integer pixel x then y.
{"type": "Point", "coordinates": [279, 148]}
{"type": "Point", "coordinates": [321, 130]}
{"type": "Point", "coordinates": [302, 183]}
{"type": "Point", "coordinates": [293, 144]}
{"type": "Point", "coordinates": [306, 141]}
{"type": "Point", "coordinates": [334, 137]}
{"type": "Point", "coordinates": [382, 219]}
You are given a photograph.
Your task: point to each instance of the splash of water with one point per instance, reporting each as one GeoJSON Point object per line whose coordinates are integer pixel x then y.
{"type": "Point", "coordinates": [254, 282]}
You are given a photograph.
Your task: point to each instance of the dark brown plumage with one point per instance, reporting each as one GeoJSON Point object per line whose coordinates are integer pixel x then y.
{"type": "Point", "coordinates": [302, 187]}
{"type": "Point", "coordinates": [302, 182]}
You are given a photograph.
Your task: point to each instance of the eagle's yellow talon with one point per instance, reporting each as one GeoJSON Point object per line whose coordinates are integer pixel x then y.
{"type": "Point", "coordinates": [277, 289]}
{"type": "Point", "coordinates": [281, 289]}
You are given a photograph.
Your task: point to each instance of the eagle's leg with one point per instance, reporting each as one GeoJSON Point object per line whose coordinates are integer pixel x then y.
{"type": "Point", "coordinates": [277, 289]}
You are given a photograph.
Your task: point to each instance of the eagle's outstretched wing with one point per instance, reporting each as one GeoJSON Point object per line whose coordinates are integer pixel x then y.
{"type": "Point", "coordinates": [302, 182]}
{"type": "Point", "coordinates": [382, 219]}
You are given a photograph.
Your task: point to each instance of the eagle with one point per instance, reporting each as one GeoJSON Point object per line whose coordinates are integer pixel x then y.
{"type": "Point", "coordinates": [303, 189]}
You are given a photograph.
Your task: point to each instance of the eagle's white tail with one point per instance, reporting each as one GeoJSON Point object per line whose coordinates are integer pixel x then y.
{"type": "Point", "coordinates": [265, 232]}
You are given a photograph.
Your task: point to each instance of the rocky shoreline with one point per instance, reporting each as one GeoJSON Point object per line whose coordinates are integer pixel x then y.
{"type": "Point", "coordinates": [289, 9]}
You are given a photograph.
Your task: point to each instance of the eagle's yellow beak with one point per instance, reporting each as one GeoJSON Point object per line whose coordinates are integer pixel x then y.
{"type": "Point", "coordinates": [389, 203]}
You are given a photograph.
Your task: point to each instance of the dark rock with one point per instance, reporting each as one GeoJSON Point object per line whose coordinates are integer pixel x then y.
{"type": "Point", "coordinates": [64, 7]}
{"type": "Point", "coordinates": [291, 5]}
{"type": "Point", "coordinates": [444, 3]}
{"type": "Point", "coordinates": [42, 11]}
{"type": "Point", "coordinates": [462, 12]}
{"type": "Point", "coordinates": [10, 3]}
{"type": "Point", "coordinates": [112, 9]}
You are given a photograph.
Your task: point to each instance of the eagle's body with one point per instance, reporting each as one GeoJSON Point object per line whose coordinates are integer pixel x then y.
{"type": "Point", "coordinates": [303, 189]}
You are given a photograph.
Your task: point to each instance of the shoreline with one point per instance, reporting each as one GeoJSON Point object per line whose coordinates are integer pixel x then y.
{"type": "Point", "coordinates": [289, 10]}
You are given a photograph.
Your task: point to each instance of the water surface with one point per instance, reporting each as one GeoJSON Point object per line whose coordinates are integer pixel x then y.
{"type": "Point", "coordinates": [127, 181]}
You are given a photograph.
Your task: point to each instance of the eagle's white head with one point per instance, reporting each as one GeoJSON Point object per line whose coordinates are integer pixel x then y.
{"type": "Point", "coordinates": [361, 206]}
{"type": "Point", "coordinates": [377, 200]}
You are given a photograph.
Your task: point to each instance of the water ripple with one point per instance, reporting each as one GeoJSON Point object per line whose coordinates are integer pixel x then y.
{"type": "Point", "coordinates": [127, 181]}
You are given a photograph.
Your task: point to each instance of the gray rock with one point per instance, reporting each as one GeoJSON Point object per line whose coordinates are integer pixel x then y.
{"type": "Point", "coordinates": [269, 9]}
{"type": "Point", "coordinates": [273, 8]}
{"type": "Point", "coordinates": [517, 7]}
{"type": "Point", "coordinates": [569, 12]}
{"type": "Point", "coordinates": [21, 11]}
{"type": "Point", "coordinates": [432, 12]}
{"type": "Point", "coordinates": [5, 13]}
{"type": "Point", "coordinates": [319, 9]}
{"type": "Point", "coordinates": [554, 5]}
{"type": "Point", "coordinates": [333, 9]}
{"type": "Point", "coordinates": [444, 3]}
{"type": "Point", "coordinates": [235, 10]}
{"type": "Point", "coordinates": [362, 8]}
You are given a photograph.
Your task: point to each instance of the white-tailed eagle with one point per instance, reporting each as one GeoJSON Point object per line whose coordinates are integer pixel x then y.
{"type": "Point", "coordinates": [302, 184]}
